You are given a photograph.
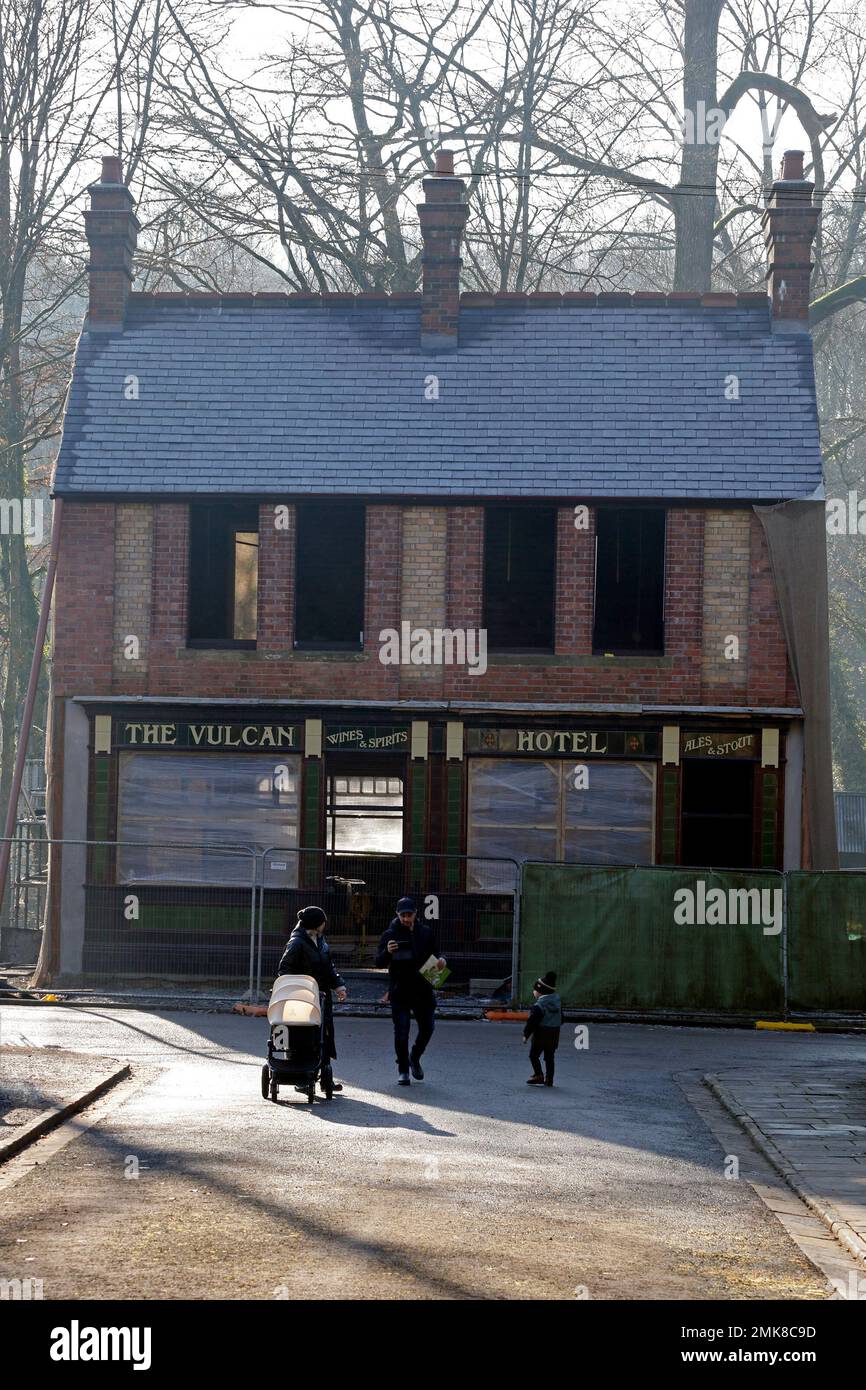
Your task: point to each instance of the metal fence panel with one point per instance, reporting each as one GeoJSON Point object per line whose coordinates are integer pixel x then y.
{"type": "Point", "coordinates": [154, 924]}
{"type": "Point", "coordinates": [157, 924]}
{"type": "Point", "coordinates": [612, 937]}
{"type": "Point", "coordinates": [28, 876]}
{"type": "Point", "coordinates": [827, 941]}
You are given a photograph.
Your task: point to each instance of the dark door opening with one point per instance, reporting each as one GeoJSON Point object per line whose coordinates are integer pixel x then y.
{"type": "Point", "coordinates": [717, 814]}
{"type": "Point", "coordinates": [363, 863]}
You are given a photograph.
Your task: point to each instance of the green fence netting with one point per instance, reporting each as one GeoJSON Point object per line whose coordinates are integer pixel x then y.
{"type": "Point", "coordinates": [827, 941]}
{"type": "Point", "coordinates": [633, 938]}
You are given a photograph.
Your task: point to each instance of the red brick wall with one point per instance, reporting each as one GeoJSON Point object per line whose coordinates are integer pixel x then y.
{"type": "Point", "coordinates": [768, 660]}
{"type": "Point", "coordinates": [83, 629]}
{"type": "Point", "coordinates": [84, 622]}
{"type": "Point", "coordinates": [170, 574]}
{"type": "Point", "coordinates": [276, 595]}
{"type": "Point", "coordinates": [465, 592]}
{"type": "Point", "coordinates": [575, 569]}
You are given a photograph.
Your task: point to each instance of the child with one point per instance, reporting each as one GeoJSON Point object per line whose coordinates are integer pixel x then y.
{"type": "Point", "coordinates": [542, 1026]}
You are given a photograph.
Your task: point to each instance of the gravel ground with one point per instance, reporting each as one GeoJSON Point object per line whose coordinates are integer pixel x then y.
{"type": "Point", "coordinates": [470, 1185]}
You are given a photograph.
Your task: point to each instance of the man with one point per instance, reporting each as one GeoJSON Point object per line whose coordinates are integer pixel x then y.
{"type": "Point", "coordinates": [405, 947]}
{"type": "Point", "coordinates": [307, 953]}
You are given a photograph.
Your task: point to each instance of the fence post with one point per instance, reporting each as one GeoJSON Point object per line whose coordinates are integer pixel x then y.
{"type": "Point", "coordinates": [261, 930]}
{"type": "Point", "coordinates": [253, 905]}
{"type": "Point", "coordinates": [515, 933]}
{"type": "Point", "coordinates": [785, 945]}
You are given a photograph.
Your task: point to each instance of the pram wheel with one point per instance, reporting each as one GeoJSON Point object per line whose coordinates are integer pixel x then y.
{"type": "Point", "coordinates": [266, 1081]}
{"type": "Point", "coordinates": [327, 1083]}
{"type": "Point", "coordinates": [311, 1093]}
{"type": "Point", "coordinates": [275, 1089]}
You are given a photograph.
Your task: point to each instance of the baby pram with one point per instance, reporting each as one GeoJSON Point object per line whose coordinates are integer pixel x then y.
{"type": "Point", "coordinates": [297, 1052]}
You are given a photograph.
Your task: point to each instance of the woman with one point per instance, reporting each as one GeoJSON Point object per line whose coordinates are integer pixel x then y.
{"type": "Point", "coordinates": [307, 953]}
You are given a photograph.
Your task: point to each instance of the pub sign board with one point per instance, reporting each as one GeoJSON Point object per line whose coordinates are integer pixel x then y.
{"type": "Point", "coordinates": [366, 738]}
{"type": "Point", "coordinates": [734, 744]}
{"type": "Point", "coordinates": [214, 737]}
{"type": "Point", "coordinates": [567, 743]}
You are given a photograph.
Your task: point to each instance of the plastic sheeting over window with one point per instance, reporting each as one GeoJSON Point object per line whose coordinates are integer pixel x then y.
{"type": "Point", "coordinates": [589, 813]}
{"type": "Point", "coordinates": [197, 799]}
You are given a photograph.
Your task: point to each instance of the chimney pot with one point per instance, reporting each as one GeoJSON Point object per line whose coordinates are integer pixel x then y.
{"type": "Point", "coordinates": [112, 169]}
{"type": "Point", "coordinates": [792, 165]}
{"type": "Point", "coordinates": [444, 162]}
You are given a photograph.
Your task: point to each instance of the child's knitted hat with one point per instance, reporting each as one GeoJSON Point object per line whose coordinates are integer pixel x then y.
{"type": "Point", "coordinates": [547, 983]}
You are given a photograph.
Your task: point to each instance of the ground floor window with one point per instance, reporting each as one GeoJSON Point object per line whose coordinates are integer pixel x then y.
{"type": "Point", "coordinates": [587, 813]}
{"type": "Point", "coordinates": [168, 801]}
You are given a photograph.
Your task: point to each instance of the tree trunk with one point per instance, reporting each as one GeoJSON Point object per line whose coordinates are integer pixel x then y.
{"type": "Point", "coordinates": [695, 203]}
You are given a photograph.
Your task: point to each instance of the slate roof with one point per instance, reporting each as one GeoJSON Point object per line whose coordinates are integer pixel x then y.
{"type": "Point", "coordinates": [546, 396]}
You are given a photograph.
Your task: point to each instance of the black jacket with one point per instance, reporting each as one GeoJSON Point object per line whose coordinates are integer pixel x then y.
{"type": "Point", "coordinates": [417, 944]}
{"type": "Point", "coordinates": [304, 956]}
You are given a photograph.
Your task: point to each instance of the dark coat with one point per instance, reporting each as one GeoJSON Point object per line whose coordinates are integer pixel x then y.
{"type": "Point", "coordinates": [304, 956]}
{"type": "Point", "coordinates": [417, 944]}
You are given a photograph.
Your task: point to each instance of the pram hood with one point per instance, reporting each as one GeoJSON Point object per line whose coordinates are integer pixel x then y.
{"type": "Point", "coordinates": [295, 1000]}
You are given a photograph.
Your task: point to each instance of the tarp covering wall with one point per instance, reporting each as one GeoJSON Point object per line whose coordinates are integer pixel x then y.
{"type": "Point", "coordinates": [612, 937]}
{"type": "Point", "coordinates": [797, 541]}
{"type": "Point", "coordinates": [827, 941]}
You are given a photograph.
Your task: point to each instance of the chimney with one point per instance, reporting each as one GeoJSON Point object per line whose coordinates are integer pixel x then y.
{"type": "Point", "coordinates": [111, 228]}
{"type": "Point", "coordinates": [789, 224]}
{"type": "Point", "coordinates": [442, 216]}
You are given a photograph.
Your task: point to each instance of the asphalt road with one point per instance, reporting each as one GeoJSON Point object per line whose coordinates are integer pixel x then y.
{"type": "Point", "coordinates": [468, 1185]}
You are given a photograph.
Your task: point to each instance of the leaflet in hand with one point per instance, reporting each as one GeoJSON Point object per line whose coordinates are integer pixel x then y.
{"type": "Point", "coordinates": [432, 974]}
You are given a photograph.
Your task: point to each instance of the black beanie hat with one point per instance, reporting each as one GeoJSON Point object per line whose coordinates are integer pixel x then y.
{"type": "Point", "coordinates": [310, 917]}
{"type": "Point", "coordinates": [547, 983]}
{"type": "Point", "coordinates": [406, 905]}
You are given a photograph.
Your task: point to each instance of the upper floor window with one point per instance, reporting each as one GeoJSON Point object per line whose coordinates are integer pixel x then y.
{"type": "Point", "coordinates": [629, 581]}
{"type": "Point", "coordinates": [223, 574]}
{"type": "Point", "coordinates": [519, 578]}
{"type": "Point", "coordinates": [329, 576]}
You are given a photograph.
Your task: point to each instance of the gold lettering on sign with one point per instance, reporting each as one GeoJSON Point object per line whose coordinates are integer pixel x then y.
{"type": "Point", "coordinates": [214, 735]}
{"type": "Point", "coordinates": [561, 741]}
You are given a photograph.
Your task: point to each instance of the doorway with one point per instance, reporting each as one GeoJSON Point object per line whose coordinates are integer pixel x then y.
{"type": "Point", "coordinates": [718, 814]}
{"type": "Point", "coordinates": [364, 816]}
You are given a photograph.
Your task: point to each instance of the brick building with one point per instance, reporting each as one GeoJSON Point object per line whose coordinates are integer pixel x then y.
{"type": "Point", "coordinates": [439, 573]}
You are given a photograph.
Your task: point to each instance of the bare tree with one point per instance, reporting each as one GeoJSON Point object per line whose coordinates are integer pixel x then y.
{"type": "Point", "coordinates": [59, 98]}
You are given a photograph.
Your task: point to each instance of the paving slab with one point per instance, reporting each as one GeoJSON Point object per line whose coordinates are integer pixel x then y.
{"type": "Point", "coordinates": [813, 1130]}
